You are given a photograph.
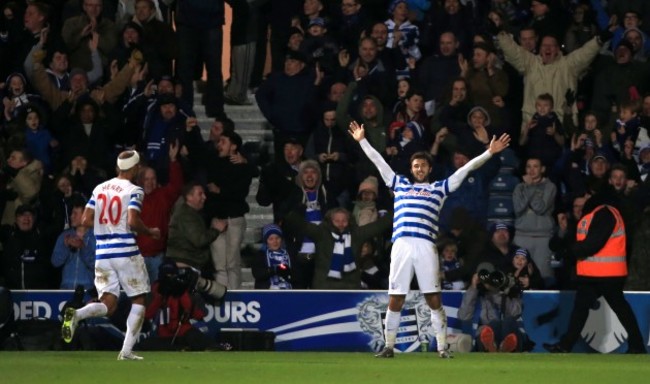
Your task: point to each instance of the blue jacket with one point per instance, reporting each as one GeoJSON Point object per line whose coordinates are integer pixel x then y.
{"type": "Point", "coordinates": [78, 265]}
{"type": "Point", "coordinates": [472, 194]}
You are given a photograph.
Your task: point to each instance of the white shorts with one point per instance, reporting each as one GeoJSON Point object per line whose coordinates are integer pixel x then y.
{"type": "Point", "coordinates": [128, 272]}
{"type": "Point", "coordinates": [412, 255]}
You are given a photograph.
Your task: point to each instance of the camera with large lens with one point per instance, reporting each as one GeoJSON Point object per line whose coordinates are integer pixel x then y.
{"type": "Point", "coordinates": [504, 282]}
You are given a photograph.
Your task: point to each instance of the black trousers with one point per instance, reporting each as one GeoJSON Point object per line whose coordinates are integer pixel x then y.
{"type": "Point", "coordinates": [587, 292]}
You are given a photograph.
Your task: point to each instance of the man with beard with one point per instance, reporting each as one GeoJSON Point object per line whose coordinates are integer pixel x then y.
{"type": "Point", "coordinates": [415, 230]}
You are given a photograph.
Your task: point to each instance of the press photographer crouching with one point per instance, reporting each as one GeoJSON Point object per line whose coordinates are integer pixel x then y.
{"type": "Point", "coordinates": [498, 298]}
{"type": "Point", "coordinates": [173, 304]}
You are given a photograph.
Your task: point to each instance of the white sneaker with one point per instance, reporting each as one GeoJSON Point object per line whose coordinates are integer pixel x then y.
{"type": "Point", "coordinates": [129, 356]}
{"type": "Point", "coordinates": [69, 324]}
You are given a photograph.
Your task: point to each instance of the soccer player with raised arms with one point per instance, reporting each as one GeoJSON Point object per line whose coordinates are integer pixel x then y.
{"type": "Point", "coordinates": [114, 212]}
{"type": "Point", "coordinates": [415, 229]}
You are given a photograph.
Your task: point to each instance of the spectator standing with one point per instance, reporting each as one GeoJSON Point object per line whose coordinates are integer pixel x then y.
{"type": "Point", "coordinates": [199, 29]}
{"type": "Point", "coordinates": [157, 36]}
{"type": "Point", "coordinates": [229, 177]}
{"type": "Point", "coordinates": [549, 71]}
{"type": "Point", "coordinates": [23, 184]}
{"type": "Point", "coordinates": [74, 252]}
{"type": "Point", "coordinates": [338, 241]}
{"type": "Point", "coordinates": [534, 204]}
{"type": "Point", "coordinates": [278, 178]}
{"type": "Point", "coordinates": [156, 211]}
{"type": "Point", "coordinates": [310, 193]}
{"type": "Point", "coordinates": [77, 30]}
{"type": "Point", "coordinates": [328, 145]}
{"type": "Point", "coordinates": [25, 257]}
{"type": "Point", "coordinates": [287, 100]}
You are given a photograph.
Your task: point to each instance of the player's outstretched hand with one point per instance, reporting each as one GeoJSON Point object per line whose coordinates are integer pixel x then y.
{"type": "Point", "coordinates": [357, 131]}
{"type": "Point", "coordinates": [498, 145]}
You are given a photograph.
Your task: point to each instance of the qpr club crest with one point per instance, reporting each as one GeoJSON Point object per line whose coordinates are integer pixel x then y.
{"type": "Point", "coordinates": [415, 322]}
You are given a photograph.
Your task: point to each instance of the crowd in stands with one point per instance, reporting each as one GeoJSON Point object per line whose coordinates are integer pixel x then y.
{"type": "Point", "coordinates": [82, 80]}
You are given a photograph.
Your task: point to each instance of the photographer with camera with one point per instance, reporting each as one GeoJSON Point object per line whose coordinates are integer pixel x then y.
{"type": "Point", "coordinates": [498, 296]}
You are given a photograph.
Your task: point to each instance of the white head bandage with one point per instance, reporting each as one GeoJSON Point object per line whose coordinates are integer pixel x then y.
{"type": "Point", "coordinates": [129, 162]}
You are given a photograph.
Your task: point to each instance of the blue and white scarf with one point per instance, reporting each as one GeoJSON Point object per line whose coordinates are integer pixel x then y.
{"type": "Point", "coordinates": [273, 259]}
{"type": "Point", "coordinates": [342, 259]}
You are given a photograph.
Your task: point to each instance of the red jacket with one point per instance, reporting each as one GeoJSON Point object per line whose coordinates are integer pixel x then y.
{"type": "Point", "coordinates": [156, 211]}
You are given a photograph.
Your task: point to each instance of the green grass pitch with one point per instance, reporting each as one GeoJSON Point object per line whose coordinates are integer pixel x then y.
{"type": "Point", "coordinates": [319, 367]}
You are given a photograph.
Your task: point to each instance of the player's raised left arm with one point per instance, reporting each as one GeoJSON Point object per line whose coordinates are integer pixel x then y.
{"type": "Point", "coordinates": [496, 146]}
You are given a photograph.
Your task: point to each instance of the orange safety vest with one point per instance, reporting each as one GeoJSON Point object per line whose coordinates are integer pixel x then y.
{"type": "Point", "coordinates": [610, 261]}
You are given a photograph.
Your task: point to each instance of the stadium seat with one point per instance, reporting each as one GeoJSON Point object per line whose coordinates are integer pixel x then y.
{"type": "Point", "coordinates": [509, 161]}
{"type": "Point", "coordinates": [503, 183]}
{"type": "Point", "coordinates": [500, 207]}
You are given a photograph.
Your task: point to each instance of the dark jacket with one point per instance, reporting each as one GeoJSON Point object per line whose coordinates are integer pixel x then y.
{"type": "Point", "coordinates": [200, 13]}
{"type": "Point", "coordinates": [276, 183]}
{"type": "Point", "coordinates": [234, 181]}
{"type": "Point", "coordinates": [189, 239]}
{"type": "Point", "coordinates": [324, 140]}
{"type": "Point", "coordinates": [322, 236]}
{"type": "Point", "coordinates": [25, 262]}
{"type": "Point", "coordinates": [287, 102]}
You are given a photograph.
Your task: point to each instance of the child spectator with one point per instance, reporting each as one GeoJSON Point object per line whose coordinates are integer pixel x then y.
{"type": "Point", "coordinates": [405, 140]}
{"type": "Point", "coordinates": [449, 261]}
{"type": "Point", "coordinates": [38, 139]}
{"type": "Point", "coordinates": [627, 126]}
{"type": "Point", "coordinates": [319, 47]}
{"type": "Point", "coordinates": [591, 129]}
{"type": "Point", "coordinates": [403, 87]}
{"type": "Point", "coordinates": [272, 269]}
{"type": "Point", "coordinates": [543, 136]}
{"type": "Point", "coordinates": [525, 271]}
{"type": "Point", "coordinates": [412, 108]}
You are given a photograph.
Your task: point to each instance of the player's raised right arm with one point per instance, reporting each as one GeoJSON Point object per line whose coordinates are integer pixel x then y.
{"type": "Point", "coordinates": [358, 133]}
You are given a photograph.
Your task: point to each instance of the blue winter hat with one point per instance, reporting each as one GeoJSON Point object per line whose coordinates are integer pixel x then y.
{"type": "Point", "coordinates": [317, 21]}
{"type": "Point", "coordinates": [394, 4]}
{"type": "Point", "coordinates": [270, 229]}
{"type": "Point", "coordinates": [499, 225]}
{"type": "Point", "coordinates": [522, 252]}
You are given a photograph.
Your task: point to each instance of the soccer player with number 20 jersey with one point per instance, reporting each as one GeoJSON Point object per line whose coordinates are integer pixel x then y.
{"type": "Point", "coordinates": [114, 212]}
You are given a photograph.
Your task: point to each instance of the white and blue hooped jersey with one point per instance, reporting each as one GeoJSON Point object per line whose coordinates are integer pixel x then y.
{"type": "Point", "coordinates": [111, 200]}
{"type": "Point", "coordinates": [417, 207]}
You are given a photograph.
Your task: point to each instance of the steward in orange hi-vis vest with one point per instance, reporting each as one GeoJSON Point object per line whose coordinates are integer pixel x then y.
{"type": "Point", "coordinates": [610, 260]}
